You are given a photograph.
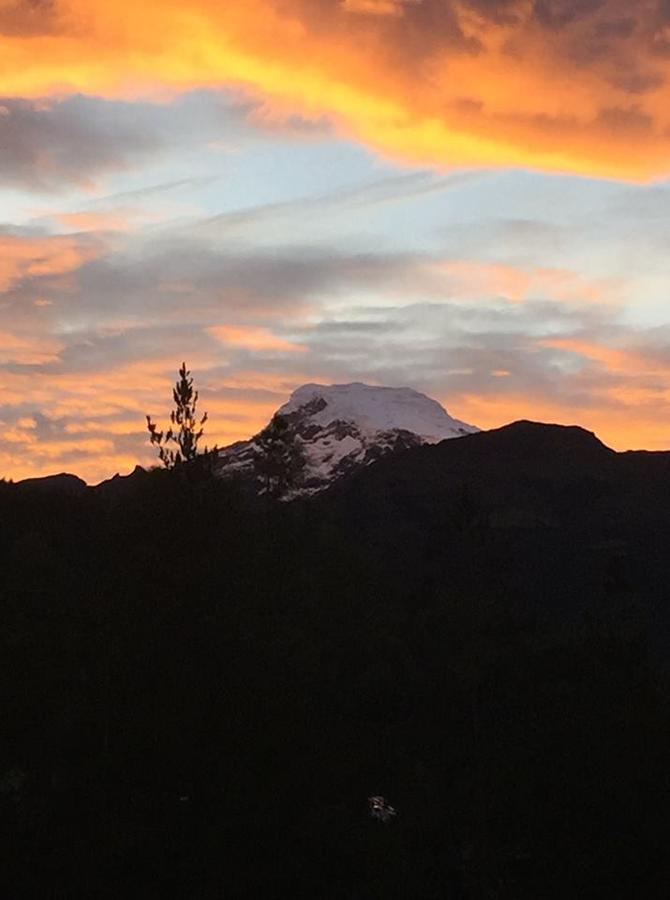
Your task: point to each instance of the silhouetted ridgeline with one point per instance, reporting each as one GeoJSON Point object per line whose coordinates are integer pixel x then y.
{"type": "Point", "coordinates": [201, 688]}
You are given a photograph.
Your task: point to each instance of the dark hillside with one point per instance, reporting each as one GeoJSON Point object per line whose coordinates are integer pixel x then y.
{"type": "Point", "coordinates": [201, 688]}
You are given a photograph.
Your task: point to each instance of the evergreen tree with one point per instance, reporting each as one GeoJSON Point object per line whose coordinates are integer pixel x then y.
{"type": "Point", "coordinates": [282, 458]}
{"type": "Point", "coordinates": [185, 430]}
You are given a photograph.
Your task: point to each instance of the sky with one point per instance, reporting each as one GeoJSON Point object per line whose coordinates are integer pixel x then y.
{"type": "Point", "coordinates": [467, 197]}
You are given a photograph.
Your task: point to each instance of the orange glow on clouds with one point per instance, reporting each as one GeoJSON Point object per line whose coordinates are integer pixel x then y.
{"type": "Point", "coordinates": [15, 348]}
{"type": "Point", "coordinates": [253, 338]}
{"type": "Point", "coordinates": [100, 425]}
{"type": "Point", "coordinates": [471, 279]}
{"type": "Point", "coordinates": [425, 81]}
{"type": "Point", "coordinates": [614, 359]}
{"type": "Point", "coordinates": [117, 220]}
{"type": "Point", "coordinates": [25, 257]}
{"type": "Point", "coordinates": [627, 406]}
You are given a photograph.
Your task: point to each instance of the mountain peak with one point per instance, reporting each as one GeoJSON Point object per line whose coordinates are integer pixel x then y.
{"type": "Point", "coordinates": [374, 408]}
{"type": "Point", "coordinates": [345, 426]}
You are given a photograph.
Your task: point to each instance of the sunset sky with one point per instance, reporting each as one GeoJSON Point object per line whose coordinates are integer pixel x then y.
{"type": "Point", "coordinates": [467, 197]}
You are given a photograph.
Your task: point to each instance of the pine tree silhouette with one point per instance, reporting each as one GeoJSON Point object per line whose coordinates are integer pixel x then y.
{"type": "Point", "coordinates": [185, 430]}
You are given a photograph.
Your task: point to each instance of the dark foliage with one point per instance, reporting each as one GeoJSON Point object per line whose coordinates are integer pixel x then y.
{"type": "Point", "coordinates": [201, 690]}
{"type": "Point", "coordinates": [185, 430]}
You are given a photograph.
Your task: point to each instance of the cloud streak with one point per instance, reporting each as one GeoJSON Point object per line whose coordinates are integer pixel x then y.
{"type": "Point", "coordinates": [25, 257]}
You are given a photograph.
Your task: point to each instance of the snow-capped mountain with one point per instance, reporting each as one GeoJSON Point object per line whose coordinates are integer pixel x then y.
{"type": "Point", "coordinates": [343, 426]}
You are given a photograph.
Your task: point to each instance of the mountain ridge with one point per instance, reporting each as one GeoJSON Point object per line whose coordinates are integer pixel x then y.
{"type": "Point", "coordinates": [345, 426]}
{"type": "Point", "coordinates": [540, 442]}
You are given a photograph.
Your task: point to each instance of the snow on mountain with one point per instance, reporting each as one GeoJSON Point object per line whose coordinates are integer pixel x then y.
{"type": "Point", "coordinates": [375, 409]}
{"type": "Point", "coordinates": [343, 426]}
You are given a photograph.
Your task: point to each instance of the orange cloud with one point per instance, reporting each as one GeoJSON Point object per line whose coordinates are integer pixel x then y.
{"type": "Point", "coordinates": [557, 86]}
{"type": "Point", "coordinates": [116, 220]}
{"type": "Point", "coordinates": [253, 338]}
{"type": "Point", "coordinates": [16, 348]}
{"type": "Point", "coordinates": [615, 359]}
{"type": "Point", "coordinates": [374, 7]}
{"type": "Point", "coordinates": [26, 257]}
{"type": "Point", "coordinates": [476, 278]}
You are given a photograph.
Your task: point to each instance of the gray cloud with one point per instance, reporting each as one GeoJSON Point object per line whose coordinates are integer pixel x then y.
{"type": "Point", "coordinates": [48, 145]}
{"type": "Point", "coordinates": [559, 13]}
